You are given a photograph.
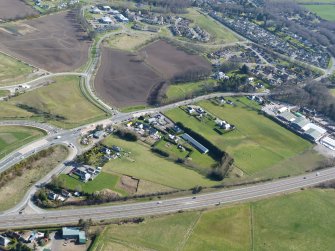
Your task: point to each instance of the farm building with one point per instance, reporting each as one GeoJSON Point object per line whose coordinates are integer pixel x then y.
{"type": "Point", "coordinates": [328, 142]}
{"type": "Point", "coordinates": [300, 123]}
{"type": "Point", "coordinates": [287, 116]}
{"type": "Point", "coordinates": [74, 233]}
{"type": "Point", "coordinates": [194, 143]}
{"type": "Point", "coordinates": [313, 134]}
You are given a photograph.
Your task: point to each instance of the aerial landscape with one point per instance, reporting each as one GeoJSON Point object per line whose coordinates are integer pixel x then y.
{"type": "Point", "coordinates": [167, 125]}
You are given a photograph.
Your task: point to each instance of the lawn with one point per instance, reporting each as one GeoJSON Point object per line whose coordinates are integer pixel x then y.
{"type": "Point", "coordinates": [185, 90]}
{"type": "Point", "coordinates": [60, 103]}
{"type": "Point", "coordinates": [298, 221]}
{"type": "Point", "coordinates": [4, 93]}
{"type": "Point", "coordinates": [215, 29]}
{"type": "Point", "coordinates": [13, 137]}
{"type": "Point", "coordinates": [257, 143]}
{"type": "Point", "coordinates": [144, 164]}
{"type": "Point", "coordinates": [332, 91]}
{"type": "Point", "coordinates": [324, 11]}
{"type": "Point", "coordinates": [13, 71]}
{"type": "Point", "coordinates": [102, 181]}
{"type": "Point", "coordinates": [14, 191]}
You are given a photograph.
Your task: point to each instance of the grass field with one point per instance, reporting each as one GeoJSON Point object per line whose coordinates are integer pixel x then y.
{"type": "Point", "coordinates": [164, 233]}
{"type": "Point", "coordinates": [15, 190]}
{"type": "Point", "coordinates": [183, 91]}
{"type": "Point", "coordinates": [270, 225]}
{"type": "Point", "coordinates": [12, 71]}
{"type": "Point", "coordinates": [324, 11]}
{"type": "Point", "coordinates": [13, 137]}
{"type": "Point", "coordinates": [101, 182]}
{"type": "Point", "coordinates": [144, 164]}
{"type": "Point", "coordinates": [332, 91]}
{"type": "Point", "coordinates": [219, 32]}
{"type": "Point", "coordinates": [61, 103]}
{"type": "Point", "coordinates": [256, 144]}
{"type": "Point", "coordinates": [129, 42]}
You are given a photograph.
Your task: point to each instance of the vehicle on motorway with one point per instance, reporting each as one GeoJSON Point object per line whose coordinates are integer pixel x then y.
{"type": "Point", "coordinates": [58, 137]}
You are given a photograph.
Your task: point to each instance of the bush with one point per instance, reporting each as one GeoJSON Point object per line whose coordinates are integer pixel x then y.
{"type": "Point", "coordinates": [126, 135]}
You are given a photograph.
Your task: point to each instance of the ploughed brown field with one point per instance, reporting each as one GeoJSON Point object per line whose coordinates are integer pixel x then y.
{"type": "Point", "coordinates": [123, 80]}
{"type": "Point", "coordinates": [127, 79]}
{"type": "Point", "coordinates": [55, 42]}
{"type": "Point", "coordinates": [172, 62]}
{"type": "Point", "coordinates": [14, 9]}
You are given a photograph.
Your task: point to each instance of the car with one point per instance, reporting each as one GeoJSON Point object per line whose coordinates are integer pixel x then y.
{"type": "Point", "coordinates": [317, 174]}
{"type": "Point", "coordinates": [159, 202]}
{"type": "Point", "coordinates": [194, 198]}
{"type": "Point", "coordinates": [305, 178]}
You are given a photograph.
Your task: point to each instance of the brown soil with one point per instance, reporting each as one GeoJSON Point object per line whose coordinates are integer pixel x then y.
{"type": "Point", "coordinates": [128, 184]}
{"type": "Point", "coordinates": [15, 9]}
{"type": "Point", "coordinates": [170, 61]}
{"type": "Point", "coordinates": [54, 42]}
{"type": "Point", "coordinates": [128, 79]}
{"type": "Point", "coordinates": [123, 80]}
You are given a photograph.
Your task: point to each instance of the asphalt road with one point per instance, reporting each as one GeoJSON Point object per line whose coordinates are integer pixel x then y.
{"type": "Point", "coordinates": [47, 218]}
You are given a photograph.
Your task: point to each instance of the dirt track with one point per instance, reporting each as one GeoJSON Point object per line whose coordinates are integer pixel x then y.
{"type": "Point", "coordinates": [55, 42]}
{"type": "Point", "coordinates": [14, 9]}
{"type": "Point", "coordinates": [122, 80]}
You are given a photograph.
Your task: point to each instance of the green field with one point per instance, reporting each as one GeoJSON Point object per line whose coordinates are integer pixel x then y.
{"type": "Point", "coordinates": [201, 161]}
{"type": "Point", "coordinates": [4, 93]}
{"type": "Point", "coordinates": [12, 71]}
{"type": "Point", "coordinates": [257, 143]}
{"type": "Point", "coordinates": [332, 91]}
{"type": "Point", "coordinates": [102, 181]}
{"type": "Point", "coordinates": [61, 103]}
{"type": "Point", "coordinates": [144, 164]}
{"type": "Point", "coordinates": [185, 90]}
{"type": "Point", "coordinates": [14, 191]}
{"type": "Point", "coordinates": [13, 137]}
{"type": "Point", "coordinates": [324, 11]}
{"type": "Point", "coordinates": [215, 29]}
{"type": "Point", "coordinates": [270, 225]}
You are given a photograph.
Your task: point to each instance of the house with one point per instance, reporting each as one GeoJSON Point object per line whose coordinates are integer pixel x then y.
{"type": "Point", "coordinates": [194, 143]}
{"type": "Point", "coordinates": [176, 129]}
{"type": "Point", "coordinates": [74, 233]}
{"type": "Point", "coordinates": [4, 241]}
{"type": "Point", "coordinates": [65, 193]}
{"type": "Point", "coordinates": [98, 134]}
{"type": "Point", "coordinates": [52, 196]}
{"type": "Point", "coordinates": [106, 20]}
{"type": "Point", "coordinates": [121, 18]}
{"type": "Point", "coordinates": [116, 148]}
{"type": "Point", "coordinates": [153, 131]}
{"type": "Point", "coordinates": [106, 150]}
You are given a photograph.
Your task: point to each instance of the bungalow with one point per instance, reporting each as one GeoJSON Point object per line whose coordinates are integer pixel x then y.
{"type": "Point", "coordinates": [52, 196]}
{"type": "Point", "coordinates": [116, 148]}
{"type": "Point", "coordinates": [106, 20]}
{"type": "Point", "coordinates": [4, 241]}
{"type": "Point", "coordinates": [153, 131]}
